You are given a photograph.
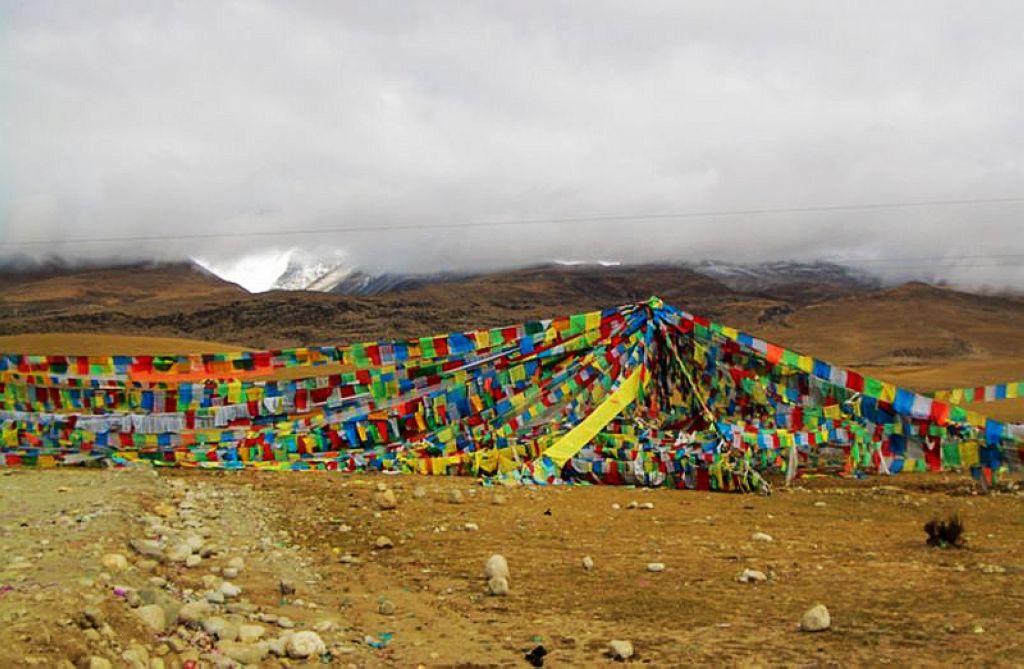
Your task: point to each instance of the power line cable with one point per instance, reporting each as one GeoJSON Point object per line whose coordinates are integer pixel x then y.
{"type": "Point", "coordinates": [514, 223]}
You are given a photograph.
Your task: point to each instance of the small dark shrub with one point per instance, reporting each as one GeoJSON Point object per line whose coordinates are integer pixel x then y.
{"type": "Point", "coordinates": [946, 533]}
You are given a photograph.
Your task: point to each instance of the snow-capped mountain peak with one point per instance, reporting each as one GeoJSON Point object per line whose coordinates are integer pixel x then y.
{"type": "Point", "coordinates": [306, 271]}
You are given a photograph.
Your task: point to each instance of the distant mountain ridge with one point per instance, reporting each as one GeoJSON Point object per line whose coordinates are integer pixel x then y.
{"type": "Point", "coordinates": [813, 279]}
{"type": "Point", "coordinates": [767, 275]}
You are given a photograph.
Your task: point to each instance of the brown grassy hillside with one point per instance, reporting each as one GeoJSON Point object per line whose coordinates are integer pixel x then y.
{"type": "Point", "coordinates": [920, 336]}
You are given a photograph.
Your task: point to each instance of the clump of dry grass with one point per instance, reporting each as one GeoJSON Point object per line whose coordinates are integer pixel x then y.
{"type": "Point", "coordinates": [946, 533]}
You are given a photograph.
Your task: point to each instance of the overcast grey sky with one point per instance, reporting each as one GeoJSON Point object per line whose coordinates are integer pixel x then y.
{"type": "Point", "coordinates": [164, 118]}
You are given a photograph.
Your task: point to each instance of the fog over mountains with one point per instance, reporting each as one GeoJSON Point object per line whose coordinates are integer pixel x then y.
{"type": "Point", "coordinates": [452, 137]}
{"type": "Point", "coordinates": [335, 274]}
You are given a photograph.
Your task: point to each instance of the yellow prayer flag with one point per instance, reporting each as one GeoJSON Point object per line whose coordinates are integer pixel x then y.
{"type": "Point", "coordinates": [577, 438]}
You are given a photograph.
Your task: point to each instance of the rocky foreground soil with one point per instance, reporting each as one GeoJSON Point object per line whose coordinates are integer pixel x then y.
{"type": "Point", "coordinates": [139, 568]}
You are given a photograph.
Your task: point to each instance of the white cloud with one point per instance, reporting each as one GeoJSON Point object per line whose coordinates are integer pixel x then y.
{"type": "Point", "coordinates": [152, 118]}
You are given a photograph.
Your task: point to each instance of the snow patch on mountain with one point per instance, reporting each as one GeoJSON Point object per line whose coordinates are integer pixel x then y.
{"type": "Point", "coordinates": [578, 263]}
{"type": "Point", "coordinates": [768, 275]}
{"type": "Point", "coordinates": [256, 272]}
{"type": "Point", "coordinates": [307, 271]}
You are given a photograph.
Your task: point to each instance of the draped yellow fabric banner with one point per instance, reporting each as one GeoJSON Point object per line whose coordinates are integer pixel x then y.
{"type": "Point", "coordinates": [577, 438]}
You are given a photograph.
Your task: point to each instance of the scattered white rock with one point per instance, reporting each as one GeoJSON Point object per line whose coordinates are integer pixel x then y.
{"type": "Point", "coordinates": [419, 492]}
{"type": "Point", "coordinates": [245, 653]}
{"type": "Point", "coordinates": [386, 500]}
{"type": "Point", "coordinates": [325, 626]}
{"type": "Point", "coordinates": [752, 576]}
{"type": "Point", "coordinates": [820, 504]}
{"type": "Point", "coordinates": [761, 536]}
{"type": "Point", "coordinates": [383, 542]}
{"type": "Point", "coordinates": [236, 563]}
{"type": "Point", "coordinates": [655, 566]}
{"type": "Point", "coordinates": [816, 619]}
{"type": "Point", "coordinates": [179, 553]}
{"type": "Point", "coordinates": [194, 613]}
{"type": "Point", "coordinates": [455, 496]}
{"type": "Point", "coordinates": [616, 506]}
{"type": "Point", "coordinates": [154, 616]}
{"type": "Point", "coordinates": [647, 505]}
{"type": "Point", "coordinates": [471, 527]}
{"type": "Point", "coordinates": [279, 646]}
{"type": "Point", "coordinates": [248, 633]}
{"type": "Point", "coordinates": [620, 650]}
{"type": "Point", "coordinates": [114, 562]}
{"type": "Point", "coordinates": [193, 560]}
{"type": "Point", "coordinates": [588, 563]}
{"type": "Point", "coordinates": [214, 626]}
{"type": "Point", "coordinates": [230, 590]}
{"type": "Point", "coordinates": [386, 607]}
{"type": "Point", "coordinates": [304, 644]}
{"type": "Point", "coordinates": [147, 548]}
{"type": "Point", "coordinates": [136, 656]}
{"type": "Point", "coordinates": [498, 585]}
{"type": "Point", "coordinates": [497, 565]}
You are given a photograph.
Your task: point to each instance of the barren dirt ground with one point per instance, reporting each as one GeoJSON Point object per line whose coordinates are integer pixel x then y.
{"type": "Point", "coordinates": [857, 547]}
